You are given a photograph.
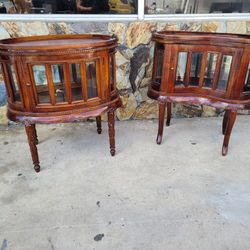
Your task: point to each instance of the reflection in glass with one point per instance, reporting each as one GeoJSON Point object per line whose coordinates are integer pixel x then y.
{"type": "Point", "coordinates": [195, 68]}
{"type": "Point", "coordinates": [91, 79]}
{"type": "Point", "coordinates": [247, 79]}
{"type": "Point", "coordinates": [111, 72]}
{"type": "Point", "coordinates": [13, 83]}
{"type": "Point", "coordinates": [3, 89]}
{"type": "Point", "coordinates": [181, 68]}
{"type": "Point", "coordinates": [195, 7]}
{"type": "Point", "coordinates": [58, 81]}
{"type": "Point", "coordinates": [41, 83]}
{"type": "Point", "coordinates": [76, 86]}
{"type": "Point", "coordinates": [159, 65]}
{"type": "Point", "coordinates": [224, 72]}
{"type": "Point", "coordinates": [69, 6]}
{"type": "Point", "coordinates": [210, 69]}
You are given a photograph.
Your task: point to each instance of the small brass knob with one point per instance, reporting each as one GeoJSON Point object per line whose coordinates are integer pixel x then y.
{"type": "Point", "coordinates": [172, 68]}
{"type": "Point", "coordinates": [28, 84]}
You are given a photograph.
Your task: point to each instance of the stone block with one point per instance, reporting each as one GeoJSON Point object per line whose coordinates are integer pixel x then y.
{"type": "Point", "coordinates": [119, 30]}
{"type": "Point", "coordinates": [147, 110]}
{"type": "Point", "coordinates": [3, 118]}
{"type": "Point", "coordinates": [139, 33]}
{"type": "Point", "coordinates": [238, 27]}
{"type": "Point", "coordinates": [128, 108]}
{"type": "Point", "coordinates": [59, 28]}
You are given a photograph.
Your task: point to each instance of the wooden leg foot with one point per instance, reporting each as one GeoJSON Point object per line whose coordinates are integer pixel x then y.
{"type": "Point", "coordinates": [169, 107]}
{"type": "Point", "coordinates": [224, 150]}
{"type": "Point", "coordinates": [99, 124]}
{"type": "Point", "coordinates": [32, 139]}
{"type": "Point", "coordinates": [37, 168]}
{"type": "Point", "coordinates": [112, 152]}
{"type": "Point", "coordinates": [162, 107]}
{"type": "Point", "coordinates": [228, 129]}
{"type": "Point", "coordinates": [159, 139]}
{"type": "Point", "coordinates": [111, 125]}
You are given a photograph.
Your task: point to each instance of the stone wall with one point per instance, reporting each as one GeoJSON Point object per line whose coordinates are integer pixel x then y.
{"type": "Point", "coordinates": [134, 57]}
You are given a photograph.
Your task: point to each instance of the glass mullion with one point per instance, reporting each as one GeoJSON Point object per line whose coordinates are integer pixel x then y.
{"type": "Point", "coordinates": [91, 78]}
{"type": "Point", "coordinates": [59, 82]}
{"type": "Point", "coordinates": [247, 79]}
{"type": "Point", "coordinates": [75, 78]}
{"type": "Point", "coordinates": [41, 83]}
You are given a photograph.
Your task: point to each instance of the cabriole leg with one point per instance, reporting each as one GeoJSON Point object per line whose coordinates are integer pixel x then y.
{"type": "Point", "coordinates": [225, 121]}
{"type": "Point", "coordinates": [169, 107]}
{"type": "Point", "coordinates": [231, 119]}
{"type": "Point", "coordinates": [99, 124]}
{"type": "Point", "coordinates": [111, 125]}
{"type": "Point", "coordinates": [162, 107]}
{"type": "Point", "coordinates": [32, 139]}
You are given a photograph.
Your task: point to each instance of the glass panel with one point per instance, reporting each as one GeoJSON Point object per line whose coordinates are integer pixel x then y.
{"type": "Point", "coordinates": [41, 83]}
{"type": "Point", "coordinates": [210, 69]}
{"type": "Point", "coordinates": [181, 67]}
{"type": "Point", "coordinates": [247, 79]}
{"type": "Point", "coordinates": [58, 81]}
{"type": "Point", "coordinates": [13, 83]}
{"type": "Point", "coordinates": [3, 90]}
{"type": "Point", "coordinates": [111, 72]}
{"type": "Point", "coordinates": [158, 66]}
{"type": "Point", "coordinates": [196, 6]}
{"type": "Point", "coordinates": [224, 72]}
{"type": "Point", "coordinates": [91, 79]}
{"type": "Point", "coordinates": [69, 6]}
{"type": "Point", "coordinates": [195, 68]}
{"type": "Point", "coordinates": [76, 86]}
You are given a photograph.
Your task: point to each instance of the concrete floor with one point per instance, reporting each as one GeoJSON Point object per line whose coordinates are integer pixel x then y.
{"type": "Point", "coordinates": [180, 195]}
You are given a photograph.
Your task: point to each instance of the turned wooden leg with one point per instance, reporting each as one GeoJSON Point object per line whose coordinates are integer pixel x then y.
{"type": "Point", "coordinates": [30, 131]}
{"type": "Point", "coordinates": [111, 125]}
{"type": "Point", "coordinates": [225, 121]}
{"type": "Point", "coordinates": [231, 119]}
{"type": "Point", "coordinates": [162, 107]}
{"type": "Point", "coordinates": [35, 133]}
{"type": "Point", "coordinates": [99, 124]}
{"type": "Point", "coordinates": [169, 107]}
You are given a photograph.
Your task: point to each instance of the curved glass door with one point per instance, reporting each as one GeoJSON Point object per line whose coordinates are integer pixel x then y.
{"type": "Point", "coordinates": [247, 80]}
{"type": "Point", "coordinates": [76, 84]}
{"type": "Point", "coordinates": [158, 65]}
{"type": "Point", "coordinates": [62, 83]}
{"type": "Point", "coordinates": [41, 83]}
{"type": "Point", "coordinates": [13, 83]}
{"type": "Point", "coordinates": [91, 79]}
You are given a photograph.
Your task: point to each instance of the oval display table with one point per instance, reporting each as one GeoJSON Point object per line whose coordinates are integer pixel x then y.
{"type": "Point", "coordinates": [61, 78]}
{"type": "Point", "coordinates": [201, 68]}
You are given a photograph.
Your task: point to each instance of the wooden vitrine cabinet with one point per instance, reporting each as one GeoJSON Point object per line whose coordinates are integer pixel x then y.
{"type": "Point", "coordinates": [60, 78]}
{"type": "Point", "coordinates": [201, 68]}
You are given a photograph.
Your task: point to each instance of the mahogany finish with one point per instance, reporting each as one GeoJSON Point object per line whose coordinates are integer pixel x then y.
{"type": "Point", "coordinates": [60, 78]}
{"type": "Point", "coordinates": [201, 68]}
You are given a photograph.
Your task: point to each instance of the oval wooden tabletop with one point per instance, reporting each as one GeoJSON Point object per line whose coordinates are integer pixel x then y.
{"type": "Point", "coordinates": [58, 42]}
{"type": "Point", "coordinates": [225, 39]}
